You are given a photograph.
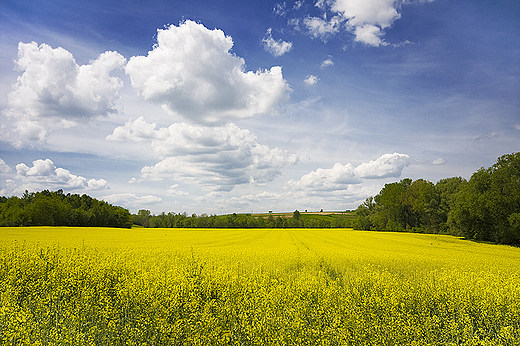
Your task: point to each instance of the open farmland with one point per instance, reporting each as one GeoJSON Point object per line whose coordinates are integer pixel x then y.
{"type": "Point", "coordinates": [100, 286]}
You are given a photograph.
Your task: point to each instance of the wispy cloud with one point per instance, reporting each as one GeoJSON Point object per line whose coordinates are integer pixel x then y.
{"type": "Point", "coordinates": [246, 200]}
{"type": "Point", "coordinates": [4, 168]}
{"type": "Point", "coordinates": [172, 191]}
{"type": "Point", "coordinates": [327, 62]}
{"type": "Point", "coordinates": [275, 47]}
{"type": "Point", "coordinates": [487, 136]}
{"type": "Point", "coordinates": [132, 200]}
{"type": "Point", "coordinates": [280, 9]}
{"type": "Point", "coordinates": [322, 28]}
{"type": "Point", "coordinates": [298, 4]}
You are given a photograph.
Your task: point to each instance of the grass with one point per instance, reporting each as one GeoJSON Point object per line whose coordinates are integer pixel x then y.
{"type": "Point", "coordinates": [98, 286]}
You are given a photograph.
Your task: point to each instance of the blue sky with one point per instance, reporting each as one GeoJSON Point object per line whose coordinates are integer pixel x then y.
{"type": "Point", "coordinates": [234, 106]}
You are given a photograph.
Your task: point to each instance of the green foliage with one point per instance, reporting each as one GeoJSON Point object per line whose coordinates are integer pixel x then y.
{"type": "Point", "coordinates": [48, 208]}
{"type": "Point", "coordinates": [142, 218]}
{"type": "Point", "coordinates": [286, 220]}
{"type": "Point", "coordinates": [447, 191]}
{"type": "Point", "coordinates": [487, 207]}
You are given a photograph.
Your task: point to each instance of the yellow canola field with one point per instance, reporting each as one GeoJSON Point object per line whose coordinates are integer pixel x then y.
{"type": "Point", "coordinates": [100, 286]}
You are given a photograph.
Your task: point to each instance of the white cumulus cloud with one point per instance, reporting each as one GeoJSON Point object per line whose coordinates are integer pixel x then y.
{"type": "Point", "coordinates": [220, 156]}
{"type": "Point", "coordinates": [138, 131]}
{"type": "Point", "coordinates": [369, 34]}
{"type": "Point", "coordinates": [311, 80]}
{"type": "Point", "coordinates": [339, 177]}
{"type": "Point", "coordinates": [174, 192]}
{"type": "Point", "coordinates": [386, 166]}
{"type": "Point", "coordinates": [275, 47]}
{"type": "Point", "coordinates": [365, 19]}
{"type": "Point", "coordinates": [53, 91]}
{"type": "Point", "coordinates": [343, 177]}
{"type": "Point", "coordinates": [43, 174]}
{"type": "Point", "coordinates": [192, 72]}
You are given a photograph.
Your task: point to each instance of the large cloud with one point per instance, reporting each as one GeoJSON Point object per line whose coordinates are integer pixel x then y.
{"type": "Point", "coordinates": [55, 92]}
{"type": "Point", "coordinates": [366, 19]}
{"type": "Point", "coordinates": [343, 177]}
{"type": "Point", "coordinates": [222, 156]}
{"type": "Point", "coordinates": [45, 175]}
{"type": "Point", "coordinates": [192, 72]}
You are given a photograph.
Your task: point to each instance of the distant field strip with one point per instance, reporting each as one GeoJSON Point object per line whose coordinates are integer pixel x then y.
{"type": "Point", "coordinates": [143, 286]}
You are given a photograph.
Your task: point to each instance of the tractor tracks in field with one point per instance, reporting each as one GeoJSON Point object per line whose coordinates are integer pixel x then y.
{"type": "Point", "coordinates": [297, 242]}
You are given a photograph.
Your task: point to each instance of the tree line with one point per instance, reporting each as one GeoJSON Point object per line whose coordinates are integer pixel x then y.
{"type": "Point", "coordinates": [296, 220]}
{"type": "Point", "coordinates": [486, 208]}
{"type": "Point", "coordinates": [46, 208]}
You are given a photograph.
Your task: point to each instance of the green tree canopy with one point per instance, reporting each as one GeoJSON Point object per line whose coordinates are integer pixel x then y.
{"type": "Point", "coordinates": [487, 207]}
{"type": "Point", "coordinates": [47, 208]}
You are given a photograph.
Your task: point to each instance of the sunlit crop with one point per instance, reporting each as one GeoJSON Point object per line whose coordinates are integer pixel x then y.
{"type": "Point", "coordinates": [88, 286]}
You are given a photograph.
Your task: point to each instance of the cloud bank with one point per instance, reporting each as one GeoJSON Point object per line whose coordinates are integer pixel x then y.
{"type": "Point", "coordinates": [221, 156]}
